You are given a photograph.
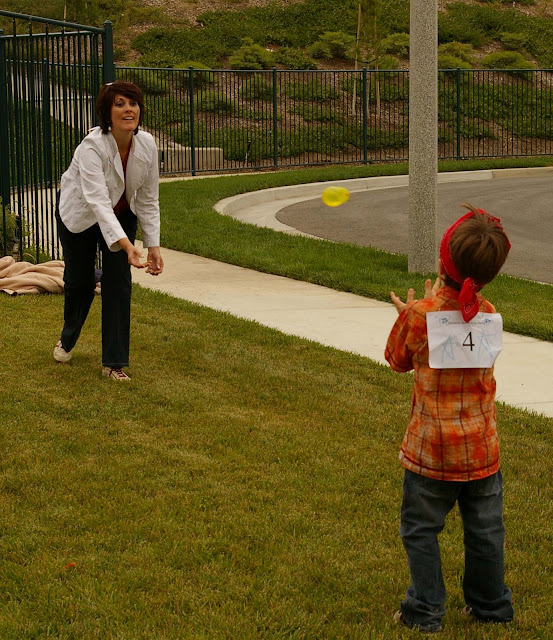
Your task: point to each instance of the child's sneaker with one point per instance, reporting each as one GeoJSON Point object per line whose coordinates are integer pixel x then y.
{"type": "Point", "coordinates": [60, 354]}
{"type": "Point", "coordinates": [398, 618]}
{"type": "Point", "coordinates": [115, 373]}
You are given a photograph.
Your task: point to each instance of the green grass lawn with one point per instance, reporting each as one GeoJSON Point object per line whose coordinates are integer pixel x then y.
{"type": "Point", "coordinates": [244, 485]}
{"type": "Point", "coordinates": [190, 223]}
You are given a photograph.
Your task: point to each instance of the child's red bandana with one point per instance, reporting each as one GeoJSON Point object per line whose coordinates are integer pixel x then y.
{"type": "Point", "coordinates": [469, 287]}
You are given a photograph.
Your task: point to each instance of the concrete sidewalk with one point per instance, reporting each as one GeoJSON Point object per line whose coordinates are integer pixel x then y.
{"type": "Point", "coordinates": [524, 370]}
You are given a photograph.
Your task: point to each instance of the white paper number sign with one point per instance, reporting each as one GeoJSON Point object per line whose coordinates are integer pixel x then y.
{"type": "Point", "coordinates": [456, 344]}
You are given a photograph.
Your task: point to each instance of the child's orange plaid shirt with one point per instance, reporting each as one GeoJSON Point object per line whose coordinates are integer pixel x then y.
{"type": "Point", "coordinates": [452, 433]}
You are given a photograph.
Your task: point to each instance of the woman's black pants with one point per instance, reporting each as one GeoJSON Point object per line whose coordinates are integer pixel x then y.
{"type": "Point", "coordinates": [79, 253]}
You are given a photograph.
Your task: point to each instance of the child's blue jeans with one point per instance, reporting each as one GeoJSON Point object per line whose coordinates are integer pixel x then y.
{"type": "Point", "coordinates": [426, 502]}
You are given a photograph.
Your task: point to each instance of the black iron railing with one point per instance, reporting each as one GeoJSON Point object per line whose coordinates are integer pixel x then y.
{"type": "Point", "coordinates": [50, 75]}
{"type": "Point", "coordinates": [214, 120]}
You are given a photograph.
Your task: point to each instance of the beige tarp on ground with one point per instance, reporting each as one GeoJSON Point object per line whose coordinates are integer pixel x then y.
{"type": "Point", "coordinates": [24, 277]}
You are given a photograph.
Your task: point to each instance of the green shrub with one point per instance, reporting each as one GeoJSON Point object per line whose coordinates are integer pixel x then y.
{"type": "Point", "coordinates": [195, 64]}
{"type": "Point", "coordinates": [396, 44]}
{"type": "Point", "coordinates": [135, 14]}
{"type": "Point", "coordinates": [296, 24]}
{"type": "Point", "coordinates": [150, 81]}
{"type": "Point", "coordinates": [12, 222]}
{"type": "Point", "coordinates": [200, 77]}
{"type": "Point", "coordinates": [323, 138]}
{"type": "Point", "coordinates": [445, 135]}
{"type": "Point", "coordinates": [514, 41]}
{"type": "Point", "coordinates": [256, 88]}
{"type": "Point", "coordinates": [294, 59]}
{"type": "Point", "coordinates": [259, 112]}
{"type": "Point", "coordinates": [479, 24]}
{"type": "Point", "coordinates": [163, 113]}
{"type": "Point", "coordinates": [390, 91]}
{"type": "Point", "coordinates": [251, 56]}
{"type": "Point", "coordinates": [313, 138]}
{"type": "Point", "coordinates": [320, 51]}
{"type": "Point", "coordinates": [159, 59]}
{"type": "Point", "coordinates": [473, 129]}
{"type": "Point", "coordinates": [33, 255]}
{"type": "Point", "coordinates": [214, 101]}
{"type": "Point", "coordinates": [506, 60]}
{"type": "Point", "coordinates": [317, 113]}
{"type": "Point", "coordinates": [313, 90]}
{"type": "Point", "coordinates": [235, 141]}
{"type": "Point", "coordinates": [396, 17]}
{"type": "Point", "coordinates": [7, 229]}
{"type": "Point", "coordinates": [539, 34]}
{"type": "Point", "coordinates": [451, 62]}
{"type": "Point", "coordinates": [390, 139]}
{"type": "Point", "coordinates": [333, 44]}
{"type": "Point", "coordinates": [162, 46]}
{"type": "Point", "coordinates": [504, 102]}
{"type": "Point", "coordinates": [119, 54]}
{"type": "Point", "coordinates": [387, 63]}
{"type": "Point", "coordinates": [461, 50]}
{"type": "Point", "coordinates": [461, 24]}
{"type": "Point", "coordinates": [84, 76]}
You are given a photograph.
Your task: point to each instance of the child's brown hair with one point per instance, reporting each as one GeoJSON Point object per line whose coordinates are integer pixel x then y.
{"type": "Point", "coordinates": [478, 247]}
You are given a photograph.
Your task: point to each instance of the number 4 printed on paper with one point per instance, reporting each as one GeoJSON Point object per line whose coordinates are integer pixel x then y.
{"type": "Point", "coordinates": [468, 341]}
{"type": "Point", "coordinates": [456, 344]}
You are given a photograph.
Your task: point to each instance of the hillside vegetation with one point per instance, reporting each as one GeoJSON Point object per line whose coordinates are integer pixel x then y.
{"type": "Point", "coordinates": [309, 33]}
{"type": "Point", "coordinates": [319, 118]}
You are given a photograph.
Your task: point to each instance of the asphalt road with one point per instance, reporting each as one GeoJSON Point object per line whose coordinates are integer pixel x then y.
{"type": "Point", "coordinates": [380, 218]}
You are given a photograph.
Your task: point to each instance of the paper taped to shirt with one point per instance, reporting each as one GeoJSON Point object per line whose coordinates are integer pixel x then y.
{"type": "Point", "coordinates": [456, 344]}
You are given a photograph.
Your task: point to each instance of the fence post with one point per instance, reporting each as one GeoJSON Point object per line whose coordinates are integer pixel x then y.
{"type": "Point", "coordinates": [365, 117]}
{"type": "Point", "coordinates": [4, 131]}
{"type": "Point", "coordinates": [46, 124]}
{"type": "Point", "coordinates": [275, 119]}
{"type": "Point", "coordinates": [192, 145]}
{"type": "Point", "coordinates": [4, 137]}
{"type": "Point", "coordinates": [107, 53]}
{"type": "Point", "coordinates": [458, 76]}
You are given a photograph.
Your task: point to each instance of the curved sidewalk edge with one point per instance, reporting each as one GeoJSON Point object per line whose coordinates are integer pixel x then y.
{"type": "Point", "coordinates": [341, 320]}
{"type": "Point", "coordinates": [261, 207]}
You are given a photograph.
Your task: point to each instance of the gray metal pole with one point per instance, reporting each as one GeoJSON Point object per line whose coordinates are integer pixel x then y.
{"type": "Point", "coordinates": [423, 135]}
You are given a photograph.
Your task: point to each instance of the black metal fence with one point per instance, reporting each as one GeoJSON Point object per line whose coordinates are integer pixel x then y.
{"type": "Point", "coordinates": [212, 120]}
{"type": "Point", "coordinates": [50, 75]}
{"type": "Point", "coordinates": [495, 113]}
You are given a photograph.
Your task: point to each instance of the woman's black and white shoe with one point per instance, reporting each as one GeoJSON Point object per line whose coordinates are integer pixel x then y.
{"type": "Point", "coordinates": [60, 354]}
{"type": "Point", "coordinates": [115, 374]}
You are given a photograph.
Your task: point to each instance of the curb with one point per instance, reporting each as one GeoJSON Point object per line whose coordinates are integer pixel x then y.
{"type": "Point", "coordinates": [261, 207]}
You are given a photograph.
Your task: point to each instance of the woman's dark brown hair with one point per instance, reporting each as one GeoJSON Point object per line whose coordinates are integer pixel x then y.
{"type": "Point", "coordinates": [106, 98]}
{"type": "Point", "coordinates": [478, 247]}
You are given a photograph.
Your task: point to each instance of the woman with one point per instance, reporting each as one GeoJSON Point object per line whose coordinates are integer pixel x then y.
{"type": "Point", "coordinates": [110, 185]}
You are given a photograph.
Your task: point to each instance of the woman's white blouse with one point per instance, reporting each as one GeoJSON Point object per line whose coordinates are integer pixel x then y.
{"type": "Point", "coordinates": [94, 183]}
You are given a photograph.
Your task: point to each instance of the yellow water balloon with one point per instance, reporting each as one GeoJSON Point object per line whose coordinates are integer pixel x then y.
{"type": "Point", "coordinates": [335, 196]}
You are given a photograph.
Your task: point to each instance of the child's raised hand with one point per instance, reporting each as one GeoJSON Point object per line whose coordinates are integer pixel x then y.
{"type": "Point", "coordinates": [398, 302]}
{"type": "Point", "coordinates": [430, 291]}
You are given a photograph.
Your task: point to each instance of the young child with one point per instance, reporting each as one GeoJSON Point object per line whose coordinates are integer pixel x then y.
{"type": "Point", "coordinates": [450, 450]}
